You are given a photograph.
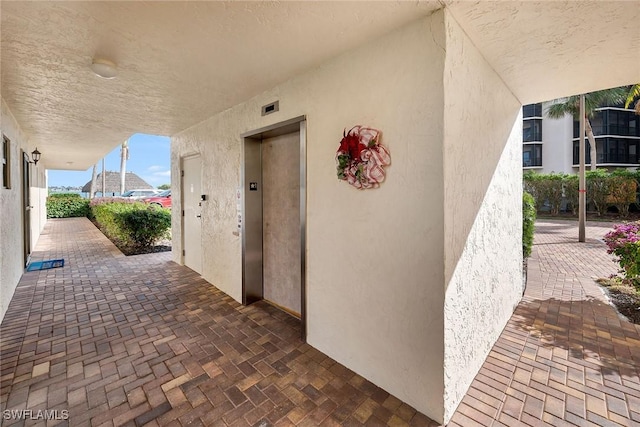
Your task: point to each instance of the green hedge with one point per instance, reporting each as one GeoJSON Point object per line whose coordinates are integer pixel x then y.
{"type": "Point", "coordinates": [145, 227]}
{"type": "Point", "coordinates": [546, 188]}
{"type": "Point", "coordinates": [66, 205]}
{"type": "Point", "coordinates": [132, 225]}
{"type": "Point", "coordinates": [528, 223]}
{"type": "Point", "coordinates": [604, 189]}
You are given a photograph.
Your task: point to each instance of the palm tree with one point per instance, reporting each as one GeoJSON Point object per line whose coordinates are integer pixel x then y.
{"type": "Point", "coordinates": [124, 156]}
{"type": "Point", "coordinates": [634, 92]}
{"type": "Point", "coordinates": [593, 100]}
{"type": "Point", "coordinates": [94, 178]}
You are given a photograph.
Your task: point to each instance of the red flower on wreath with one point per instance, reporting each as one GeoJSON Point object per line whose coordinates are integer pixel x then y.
{"type": "Point", "coordinates": [361, 158]}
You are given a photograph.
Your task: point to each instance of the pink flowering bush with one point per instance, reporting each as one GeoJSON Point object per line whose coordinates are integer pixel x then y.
{"type": "Point", "coordinates": [624, 242]}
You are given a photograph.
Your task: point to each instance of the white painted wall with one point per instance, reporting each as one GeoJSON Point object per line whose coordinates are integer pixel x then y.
{"type": "Point", "coordinates": [482, 211]}
{"type": "Point", "coordinates": [375, 257]}
{"type": "Point", "coordinates": [557, 149]}
{"type": "Point", "coordinates": [11, 231]}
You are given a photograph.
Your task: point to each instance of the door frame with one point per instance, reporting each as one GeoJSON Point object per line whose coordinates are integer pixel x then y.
{"type": "Point", "coordinates": [249, 141]}
{"type": "Point", "coordinates": [182, 194]}
{"type": "Point", "coordinates": [25, 186]}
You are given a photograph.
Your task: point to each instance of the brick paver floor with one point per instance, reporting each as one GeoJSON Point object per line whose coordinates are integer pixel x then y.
{"type": "Point", "coordinates": [140, 340]}
{"type": "Point", "coordinates": [565, 357]}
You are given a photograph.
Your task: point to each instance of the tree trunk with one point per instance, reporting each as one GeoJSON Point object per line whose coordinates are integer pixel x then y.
{"type": "Point", "coordinates": [124, 155]}
{"type": "Point", "coordinates": [104, 180]}
{"type": "Point", "coordinates": [94, 178]}
{"type": "Point", "coordinates": [592, 144]}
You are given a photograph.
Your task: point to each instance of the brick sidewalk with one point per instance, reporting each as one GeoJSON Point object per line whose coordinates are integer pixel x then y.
{"type": "Point", "coordinates": [565, 357]}
{"type": "Point", "coordinates": [132, 341]}
{"type": "Point", "coordinates": [139, 340]}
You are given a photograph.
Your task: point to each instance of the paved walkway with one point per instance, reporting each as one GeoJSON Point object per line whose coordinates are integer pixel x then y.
{"type": "Point", "coordinates": [132, 341]}
{"type": "Point", "coordinates": [139, 340]}
{"type": "Point", "coordinates": [565, 357]}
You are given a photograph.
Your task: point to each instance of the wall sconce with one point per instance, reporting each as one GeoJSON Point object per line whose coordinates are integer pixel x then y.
{"type": "Point", "coordinates": [35, 155]}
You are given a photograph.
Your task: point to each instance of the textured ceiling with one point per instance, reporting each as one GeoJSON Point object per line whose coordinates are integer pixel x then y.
{"type": "Point", "coordinates": [178, 62]}
{"type": "Point", "coordinates": [549, 49]}
{"type": "Point", "coordinates": [181, 62]}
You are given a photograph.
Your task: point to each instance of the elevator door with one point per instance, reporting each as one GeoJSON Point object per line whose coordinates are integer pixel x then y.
{"type": "Point", "coordinates": [274, 217]}
{"type": "Point", "coordinates": [281, 221]}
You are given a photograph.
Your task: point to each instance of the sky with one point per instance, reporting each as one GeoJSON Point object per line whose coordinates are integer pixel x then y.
{"type": "Point", "coordinates": [149, 158]}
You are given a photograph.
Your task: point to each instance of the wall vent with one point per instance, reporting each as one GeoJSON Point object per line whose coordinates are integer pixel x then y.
{"type": "Point", "coordinates": [270, 108]}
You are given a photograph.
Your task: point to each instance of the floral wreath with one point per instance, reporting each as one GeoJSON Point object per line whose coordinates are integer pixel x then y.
{"type": "Point", "coordinates": [361, 158]}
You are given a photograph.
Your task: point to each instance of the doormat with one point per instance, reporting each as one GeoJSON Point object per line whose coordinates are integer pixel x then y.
{"type": "Point", "coordinates": [45, 265]}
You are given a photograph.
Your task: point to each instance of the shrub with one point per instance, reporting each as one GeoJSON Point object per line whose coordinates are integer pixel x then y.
{"type": "Point", "coordinates": [532, 186]}
{"type": "Point", "coordinates": [107, 215]}
{"type": "Point", "coordinates": [624, 242]}
{"type": "Point", "coordinates": [62, 205]}
{"type": "Point", "coordinates": [65, 196]}
{"type": "Point", "coordinates": [528, 223]}
{"type": "Point", "coordinates": [96, 201]}
{"type": "Point", "coordinates": [598, 186]}
{"type": "Point", "coordinates": [546, 188]}
{"type": "Point", "coordinates": [604, 189]}
{"type": "Point", "coordinates": [131, 224]}
{"type": "Point", "coordinates": [553, 191]}
{"type": "Point", "coordinates": [145, 226]}
{"type": "Point", "coordinates": [622, 190]}
{"type": "Point", "coordinates": [100, 201]}
{"type": "Point", "coordinates": [572, 192]}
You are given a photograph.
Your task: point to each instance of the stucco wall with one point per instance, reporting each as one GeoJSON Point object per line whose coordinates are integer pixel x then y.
{"type": "Point", "coordinates": [11, 258]}
{"type": "Point", "coordinates": [375, 257]}
{"type": "Point", "coordinates": [482, 210]}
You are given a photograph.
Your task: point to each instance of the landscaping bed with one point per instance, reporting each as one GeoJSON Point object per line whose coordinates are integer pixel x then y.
{"type": "Point", "coordinates": [624, 242]}
{"type": "Point", "coordinates": [134, 227]}
{"type": "Point", "coordinates": [624, 296]}
{"type": "Point", "coordinates": [162, 245]}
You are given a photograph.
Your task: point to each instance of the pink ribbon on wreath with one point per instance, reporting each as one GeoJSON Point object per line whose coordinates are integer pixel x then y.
{"type": "Point", "coordinates": [361, 158]}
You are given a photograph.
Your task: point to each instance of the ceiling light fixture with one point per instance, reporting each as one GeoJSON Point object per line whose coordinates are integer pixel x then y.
{"type": "Point", "coordinates": [104, 68]}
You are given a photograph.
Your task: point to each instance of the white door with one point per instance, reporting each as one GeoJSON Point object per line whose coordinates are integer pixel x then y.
{"type": "Point", "coordinates": [192, 213]}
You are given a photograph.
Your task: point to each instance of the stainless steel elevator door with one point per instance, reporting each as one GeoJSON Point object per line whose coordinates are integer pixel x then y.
{"type": "Point", "coordinates": [281, 221]}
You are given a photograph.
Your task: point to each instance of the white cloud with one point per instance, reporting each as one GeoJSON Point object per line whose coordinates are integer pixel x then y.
{"type": "Point", "coordinates": [159, 177]}
{"type": "Point", "coordinates": [155, 168]}
{"type": "Point", "coordinates": [155, 180]}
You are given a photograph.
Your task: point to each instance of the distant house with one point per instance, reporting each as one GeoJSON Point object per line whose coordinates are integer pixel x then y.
{"type": "Point", "coordinates": [112, 183]}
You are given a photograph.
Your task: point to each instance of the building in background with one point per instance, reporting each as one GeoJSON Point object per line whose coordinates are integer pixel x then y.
{"type": "Point", "coordinates": [551, 145]}
{"type": "Point", "coordinates": [112, 184]}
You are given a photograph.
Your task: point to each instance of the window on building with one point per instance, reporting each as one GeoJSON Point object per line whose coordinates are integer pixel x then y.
{"type": "Point", "coordinates": [6, 162]}
{"type": "Point", "coordinates": [532, 110]}
{"type": "Point", "coordinates": [622, 151]}
{"type": "Point", "coordinates": [611, 122]}
{"type": "Point", "coordinates": [531, 155]}
{"type": "Point", "coordinates": [532, 130]}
